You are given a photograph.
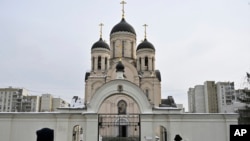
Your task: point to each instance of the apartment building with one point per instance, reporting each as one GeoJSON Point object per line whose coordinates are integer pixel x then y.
{"type": "Point", "coordinates": [211, 101]}
{"type": "Point", "coordinates": [50, 104]}
{"type": "Point", "coordinates": [220, 97]}
{"type": "Point", "coordinates": [17, 100]}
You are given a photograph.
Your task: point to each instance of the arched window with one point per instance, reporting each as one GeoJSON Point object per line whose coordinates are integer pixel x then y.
{"type": "Point", "coordinates": [163, 133]}
{"type": "Point", "coordinates": [99, 62]}
{"type": "Point", "coordinates": [153, 63]}
{"type": "Point", "coordinates": [77, 133]}
{"type": "Point", "coordinates": [123, 48]}
{"type": "Point", "coordinates": [146, 63]}
{"type": "Point", "coordinates": [132, 49]}
{"type": "Point", "coordinates": [113, 49]}
{"type": "Point", "coordinates": [93, 63]}
{"type": "Point", "coordinates": [147, 93]}
{"type": "Point", "coordinates": [106, 63]}
{"type": "Point", "coordinates": [122, 107]}
{"type": "Point", "coordinates": [140, 63]}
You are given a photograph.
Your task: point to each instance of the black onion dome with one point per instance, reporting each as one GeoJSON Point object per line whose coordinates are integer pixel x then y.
{"type": "Point", "coordinates": [100, 44]}
{"type": "Point", "coordinates": [145, 44]}
{"type": "Point", "coordinates": [120, 67]}
{"type": "Point", "coordinates": [123, 26]}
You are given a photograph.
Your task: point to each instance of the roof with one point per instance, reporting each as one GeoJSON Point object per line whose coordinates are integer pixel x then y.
{"type": "Point", "coordinates": [145, 45]}
{"type": "Point", "coordinates": [100, 44]}
{"type": "Point", "coordinates": [123, 26]}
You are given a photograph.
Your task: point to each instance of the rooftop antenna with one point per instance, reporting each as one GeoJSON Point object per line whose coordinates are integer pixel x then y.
{"type": "Point", "coordinates": [123, 3]}
{"type": "Point", "coordinates": [101, 25]}
{"type": "Point", "coordinates": [145, 31]}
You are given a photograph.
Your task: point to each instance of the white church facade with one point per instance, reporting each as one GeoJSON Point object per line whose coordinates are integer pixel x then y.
{"type": "Point", "coordinates": [122, 102]}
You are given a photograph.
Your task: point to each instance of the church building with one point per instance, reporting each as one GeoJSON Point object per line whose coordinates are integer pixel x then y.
{"type": "Point", "coordinates": [122, 101]}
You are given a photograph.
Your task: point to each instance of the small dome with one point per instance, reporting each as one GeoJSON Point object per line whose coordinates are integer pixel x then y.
{"type": "Point", "coordinates": [100, 44]}
{"type": "Point", "coordinates": [145, 44]}
{"type": "Point", "coordinates": [120, 67]}
{"type": "Point", "coordinates": [123, 26]}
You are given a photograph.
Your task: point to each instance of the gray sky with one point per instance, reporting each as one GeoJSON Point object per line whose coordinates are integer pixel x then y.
{"type": "Point", "coordinates": [45, 45]}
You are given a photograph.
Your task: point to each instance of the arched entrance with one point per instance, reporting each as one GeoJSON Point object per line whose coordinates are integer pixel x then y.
{"type": "Point", "coordinates": [119, 104]}
{"type": "Point", "coordinates": [77, 134]}
{"type": "Point", "coordinates": [113, 127]}
{"type": "Point", "coordinates": [122, 124]}
{"type": "Point", "coordinates": [119, 119]}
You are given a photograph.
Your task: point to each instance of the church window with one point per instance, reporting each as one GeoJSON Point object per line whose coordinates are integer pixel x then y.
{"type": "Point", "coordinates": [146, 63]}
{"type": "Point", "coordinates": [120, 88]}
{"type": "Point", "coordinates": [147, 93]}
{"type": "Point", "coordinates": [106, 63]}
{"type": "Point", "coordinates": [140, 63]}
{"type": "Point", "coordinates": [132, 49]}
{"type": "Point", "coordinates": [123, 48]}
{"type": "Point", "coordinates": [77, 133]}
{"type": "Point", "coordinates": [122, 107]}
{"type": "Point", "coordinates": [99, 63]}
{"type": "Point", "coordinates": [114, 49]}
{"type": "Point", "coordinates": [153, 63]}
{"type": "Point", "coordinates": [93, 63]}
{"type": "Point", "coordinates": [163, 133]}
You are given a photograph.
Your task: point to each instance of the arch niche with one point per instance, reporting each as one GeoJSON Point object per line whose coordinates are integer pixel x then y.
{"type": "Point", "coordinates": [111, 88]}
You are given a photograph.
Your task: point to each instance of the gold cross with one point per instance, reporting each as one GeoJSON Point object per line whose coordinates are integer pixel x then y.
{"type": "Point", "coordinates": [101, 25]}
{"type": "Point", "coordinates": [145, 30]}
{"type": "Point", "coordinates": [123, 3]}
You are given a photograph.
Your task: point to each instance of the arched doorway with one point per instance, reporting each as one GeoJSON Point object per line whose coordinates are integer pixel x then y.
{"type": "Point", "coordinates": [163, 133]}
{"type": "Point", "coordinates": [122, 124]}
{"type": "Point", "coordinates": [119, 119]}
{"type": "Point", "coordinates": [113, 127]}
{"type": "Point", "coordinates": [77, 134]}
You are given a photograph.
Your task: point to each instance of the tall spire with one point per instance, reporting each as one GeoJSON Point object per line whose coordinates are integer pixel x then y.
{"type": "Point", "coordinates": [145, 31]}
{"type": "Point", "coordinates": [123, 3]}
{"type": "Point", "coordinates": [101, 25]}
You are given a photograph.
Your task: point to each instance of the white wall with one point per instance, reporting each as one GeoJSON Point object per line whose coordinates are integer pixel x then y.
{"type": "Point", "coordinates": [191, 127]}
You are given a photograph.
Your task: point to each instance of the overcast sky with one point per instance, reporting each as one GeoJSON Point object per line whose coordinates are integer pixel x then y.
{"type": "Point", "coordinates": [45, 45]}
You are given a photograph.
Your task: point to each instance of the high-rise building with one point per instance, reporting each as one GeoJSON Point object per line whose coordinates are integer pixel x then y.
{"type": "Point", "coordinates": [191, 100]}
{"type": "Point", "coordinates": [225, 95]}
{"type": "Point", "coordinates": [196, 99]}
{"type": "Point", "coordinates": [14, 100]}
{"type": "Point", "coordinates": [199, 98]}
{"type": "Point", "coordinates": [18, 100]}
{"type": "Point", "coordinates": [34, 103]}
{"type": "Point", "coordinates": [217, 97]}
{"type": "Point", "coordinates": [50, 104]}
{"type": "Point", "coordinates": [211, 100]}
{"type": "Point", "coordinates": [59, 103]}
{"type": "Point", "coordinates": [46, 103]}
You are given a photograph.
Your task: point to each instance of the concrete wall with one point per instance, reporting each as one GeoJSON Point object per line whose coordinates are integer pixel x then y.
{"type": "Point", "coordinates": [191, 127]}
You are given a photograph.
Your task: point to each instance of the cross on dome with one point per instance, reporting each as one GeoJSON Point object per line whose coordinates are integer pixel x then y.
{"type": "Point", "coordinates": [123, 3]}
{"type": "Point", "coordinates": [145, 30]}
{"type": "Point", "coordinates": [101, 25]}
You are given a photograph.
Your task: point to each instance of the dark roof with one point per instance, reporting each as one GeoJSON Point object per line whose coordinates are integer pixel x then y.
{"type": "Point", "coordinates": [145, 44]}
{"type": "Point", "coordinates": [120, 67]}
{"type": "Point", "coordinates": [100, 44]}
{"type": "Point", "coordinates": [123, 26]}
